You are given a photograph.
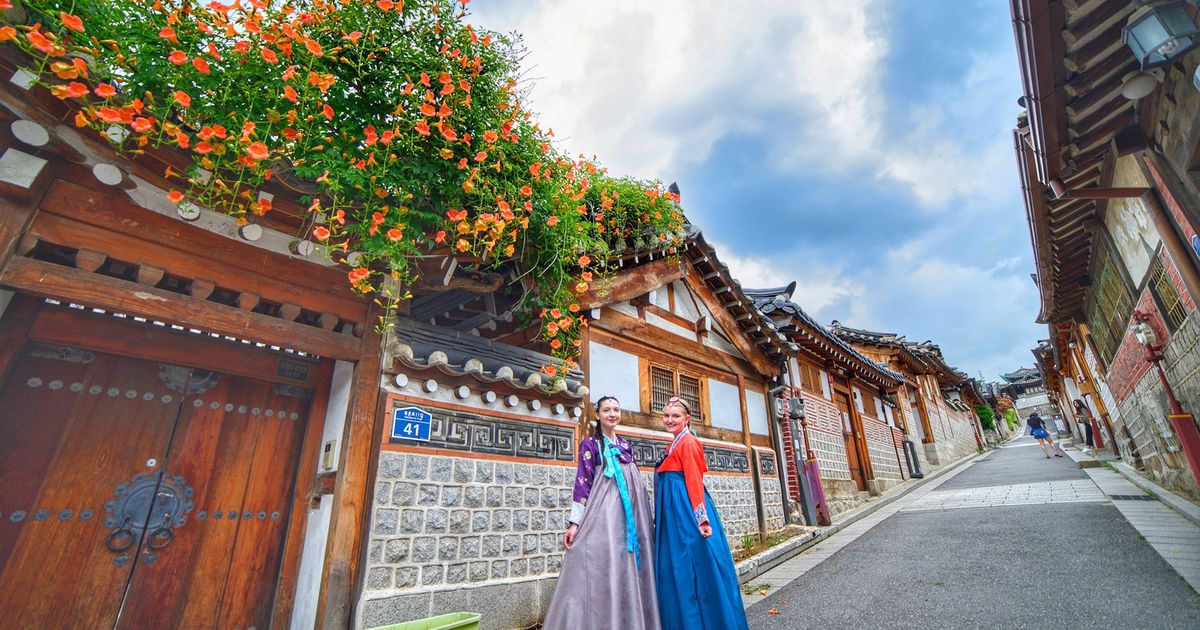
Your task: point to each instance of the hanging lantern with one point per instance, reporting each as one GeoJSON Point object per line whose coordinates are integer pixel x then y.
{"type": "Point", "coordinates": [1161, 33]}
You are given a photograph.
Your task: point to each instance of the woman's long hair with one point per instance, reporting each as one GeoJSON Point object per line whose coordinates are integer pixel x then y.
{"type": "Point", "coordinates": [596, 433]}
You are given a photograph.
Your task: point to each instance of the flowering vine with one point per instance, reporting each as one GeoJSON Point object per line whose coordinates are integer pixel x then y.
{"type": "Point", "coordinates": [401, 122]}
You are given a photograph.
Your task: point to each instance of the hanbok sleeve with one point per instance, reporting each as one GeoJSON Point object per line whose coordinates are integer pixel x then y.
{"type": "Point", "coordinates": [692, 460]}
{"type": "Point", "coordinates": [585, 472]}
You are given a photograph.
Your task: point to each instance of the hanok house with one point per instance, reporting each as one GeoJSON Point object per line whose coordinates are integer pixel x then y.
{"type": "Point", "coordinates": [470, 516]}
{"type": "Point", "coordinates": [171, 390]}
{"type": "Point", "coordinates": [682, 326]}
{"type": "Point", "coordinates": [849, 426]}
{"type": "Point", "coordinates": [1108, 152]}
{"type": "Point", "coordinates": [935, 401]}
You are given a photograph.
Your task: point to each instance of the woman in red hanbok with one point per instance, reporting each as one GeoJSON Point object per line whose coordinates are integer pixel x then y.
{"type": "Point", "coordinates": [697, 583]}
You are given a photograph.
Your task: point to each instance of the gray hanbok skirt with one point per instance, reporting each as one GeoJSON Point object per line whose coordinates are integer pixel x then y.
{"type": "Point", "coordinates": [600, 586]}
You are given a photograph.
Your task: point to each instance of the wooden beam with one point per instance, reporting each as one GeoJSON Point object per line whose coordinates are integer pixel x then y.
{"type": "Point", "coordinates": [64, 283]}
{"type": "Point", "coordinates": [201, 289]}
{"type": "Point", "coordinates": [89, 260]}
{"type": "Point", "coordinates": [247, 301]}
{"type": "Point", "coordinates": [64, 326]}
{"type": "Point", "coordinates": [474, 321]}
{"type": "Point", "coordinates": [352, 492]}
{"type": "Point", "coordinates": [632, 282]}
{"type": "Point", "coordinates": [107, 221]}
{"type": "Point", "coordinates": [632, 335]}
{"type": "Point", "coordinates": [1104, 193]}
{"type": "Point", "coordinates": [150, 275]}
{"type": "Point", "coordinates": [15, 218]}
{"type": "Point", "coordinates": [429, 306]}
{"type": "Point", "coordinates": [733, 328]}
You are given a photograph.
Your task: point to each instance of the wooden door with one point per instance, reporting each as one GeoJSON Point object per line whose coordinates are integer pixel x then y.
{"type": "Point", "coordinates": [74, 427]}
{"type": "Point", "coordinates": [853, 457]}
{"type": "Point", "coordinates": [236, 445]}
{"type": "Point", "coordinates": [140, 494]}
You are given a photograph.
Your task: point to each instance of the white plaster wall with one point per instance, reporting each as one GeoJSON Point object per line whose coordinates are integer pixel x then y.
{"type": "Point", "coordinates": [308, 582]}
{"type": "Point", "coordinates": [671, 327]}
{"type": "Point", "coordinates": [613, 373]}
{"type": "Point", "coordinates": [726, 405]}
{"type": "Point", "coordinates": [756, 411]}
{"type": "Point", "coordinates": [1127, 221]}
{"type": "Point", "coordinates": [686, 305]}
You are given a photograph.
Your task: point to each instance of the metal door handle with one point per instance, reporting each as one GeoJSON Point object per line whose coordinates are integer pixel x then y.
{"type": "Point", "coordinates": [160, 538]}
{"type": "Point", "coordinates": [119, 539]}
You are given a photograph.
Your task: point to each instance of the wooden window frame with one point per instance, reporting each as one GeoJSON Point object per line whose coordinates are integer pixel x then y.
{"type": "Point", "coordinates": [1166, 297]}
{"type": "Point", "coordinates": [699, 410]}
{"type": "Point", "coordinates": [1110, 304]}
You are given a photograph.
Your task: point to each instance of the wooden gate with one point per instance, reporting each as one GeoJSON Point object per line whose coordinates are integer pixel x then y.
{"type": "Point", "coordinates": [139, 493]}
{"type": "Point", "coordinates": [854, 456]}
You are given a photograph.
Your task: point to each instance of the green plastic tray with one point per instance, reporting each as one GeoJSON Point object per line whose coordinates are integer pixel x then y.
{"type": "Point", "coordinates": [451, 621]}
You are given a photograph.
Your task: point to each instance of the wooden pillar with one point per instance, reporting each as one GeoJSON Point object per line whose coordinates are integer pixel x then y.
{"type": "Point", "coordinates": [310, 452]}
{"type": "Point", "coordinates": [753, 459]}
{"type": "Point", "coordinates": [352, 491]}
{"type": "Point", "coordinates": [1174, 244]}
{"type": "Point", "coordinates": [15, 218]}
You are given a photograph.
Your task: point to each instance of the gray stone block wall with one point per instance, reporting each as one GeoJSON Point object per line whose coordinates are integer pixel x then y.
{"type": "Point", "coordinates": [735, 500]}
{"type": "Point", "coordinates": [442, 521]}
{"type": "Point", "coordinates": [450, 534]}
{"type": "Point", "coordinates": [772, 498]}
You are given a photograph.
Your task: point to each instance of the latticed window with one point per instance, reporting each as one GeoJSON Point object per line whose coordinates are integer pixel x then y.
{"type": "Point", "coordinates": [689, 391]}
{"type": "Point", "coordinates": [1168, 298]}
{"type": "Point", "coordinates": [665, 383]}
{"type": "Point", "coordinates": [1110, 306]}
{"type": "Point", "coordinates": [662, 387]}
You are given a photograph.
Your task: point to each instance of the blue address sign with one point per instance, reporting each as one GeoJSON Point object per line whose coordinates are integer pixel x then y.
{"type": "Point", "coordinates": [411, 423]}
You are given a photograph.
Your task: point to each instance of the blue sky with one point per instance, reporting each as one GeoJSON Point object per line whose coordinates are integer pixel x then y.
{"type": "Point", "coordinates": [860, 147]}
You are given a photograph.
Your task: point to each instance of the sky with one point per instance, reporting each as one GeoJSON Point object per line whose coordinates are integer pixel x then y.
{"type": "Point", "coordinates": [862, 148]}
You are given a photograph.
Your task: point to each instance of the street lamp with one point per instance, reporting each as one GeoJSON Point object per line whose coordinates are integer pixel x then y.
{"type": "Point", "coordinates": [1160, 33]}
{"type": "Point", "coordinates": [1183, 422]}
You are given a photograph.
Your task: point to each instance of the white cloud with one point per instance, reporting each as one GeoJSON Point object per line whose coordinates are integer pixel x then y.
{"type": "Point", "coordinates": [818, 286]}
{"type": "Point", "coordinates": [650, 87]}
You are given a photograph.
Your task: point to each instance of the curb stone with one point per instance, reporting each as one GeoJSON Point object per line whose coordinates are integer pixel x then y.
{"type": "Point", "coordinates": [1185, 508]}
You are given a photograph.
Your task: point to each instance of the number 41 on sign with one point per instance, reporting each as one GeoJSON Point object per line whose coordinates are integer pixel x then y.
{"type": "Point", "coordinates": [411, 423]}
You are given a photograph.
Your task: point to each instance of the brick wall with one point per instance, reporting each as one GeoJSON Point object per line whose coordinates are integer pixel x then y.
{"type": "Point", "coordinates": [1129, 363]}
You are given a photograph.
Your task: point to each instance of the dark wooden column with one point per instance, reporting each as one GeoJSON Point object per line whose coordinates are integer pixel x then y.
{"type": "Point", "coordinates": [351, 496]}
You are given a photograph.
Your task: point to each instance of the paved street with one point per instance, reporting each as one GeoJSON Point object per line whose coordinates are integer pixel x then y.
{"type": "Point", "coordinates": [1011, 540]}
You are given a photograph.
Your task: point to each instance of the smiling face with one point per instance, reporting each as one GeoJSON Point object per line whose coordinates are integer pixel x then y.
{"type": "Point", "coordinates": [609, 415]}
{"type": "Point", "coordinates": [675, 419]}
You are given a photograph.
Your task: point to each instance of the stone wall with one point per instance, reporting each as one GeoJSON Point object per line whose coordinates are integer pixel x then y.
{"type": "Point", "coordinates": [441, 523]}
{"type": "Point", "coordinates": [1145, 432]}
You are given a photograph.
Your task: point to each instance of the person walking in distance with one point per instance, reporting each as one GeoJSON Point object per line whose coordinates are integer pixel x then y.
{"type": "Point", "coordinates": [607, 576]}
{"type": "Point", "coordinates": [1037, 428]}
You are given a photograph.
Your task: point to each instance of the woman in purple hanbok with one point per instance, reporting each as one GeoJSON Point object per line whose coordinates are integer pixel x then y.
{"type": "Point", "coordinates": [607, 577]}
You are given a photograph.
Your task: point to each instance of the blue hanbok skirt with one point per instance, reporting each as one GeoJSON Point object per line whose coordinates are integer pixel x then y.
{"type": "Point", "coordinates": [697, 583]}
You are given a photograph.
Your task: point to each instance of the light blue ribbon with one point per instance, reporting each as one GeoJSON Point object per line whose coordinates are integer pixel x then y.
{"type": "Point", "coordinates": [612, 469]}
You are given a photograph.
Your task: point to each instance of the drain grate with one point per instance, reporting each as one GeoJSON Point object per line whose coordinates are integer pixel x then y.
{"type": "Point", "coordinates": [1131, 497]}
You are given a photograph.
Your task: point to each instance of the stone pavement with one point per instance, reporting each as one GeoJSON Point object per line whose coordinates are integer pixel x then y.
{"type": "Point", "coordinates": [1010, 540]}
